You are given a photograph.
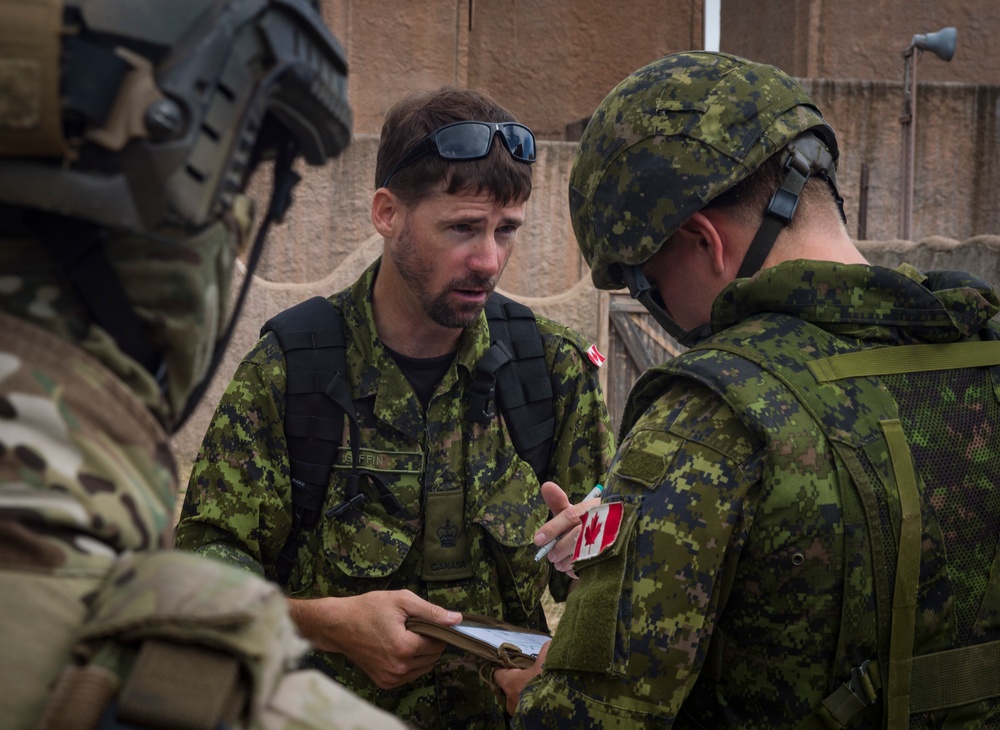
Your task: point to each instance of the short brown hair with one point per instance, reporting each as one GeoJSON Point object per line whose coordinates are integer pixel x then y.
{"type": "Point", "coordinates": [747, 201]}
{"type": "Point", "coordinates": [415, 116]}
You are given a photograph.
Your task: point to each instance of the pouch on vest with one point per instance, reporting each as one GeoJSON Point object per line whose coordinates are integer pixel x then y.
{"type": "Point", "coordinates": [190, 641]}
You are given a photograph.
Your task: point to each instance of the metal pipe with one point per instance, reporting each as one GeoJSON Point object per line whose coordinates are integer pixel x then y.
{"type": "Point", "coordinates": [909, 120]}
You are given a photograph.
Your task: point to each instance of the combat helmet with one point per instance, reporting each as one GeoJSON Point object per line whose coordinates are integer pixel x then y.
{"type": "Point", "coordinates": [146, 116]}
{"type": "Point", "coordinates": [673, 136]}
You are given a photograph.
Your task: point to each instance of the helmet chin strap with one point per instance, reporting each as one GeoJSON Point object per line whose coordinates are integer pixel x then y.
{"type": "Point", "coordinates": [647, 295]}
{"type": "Point", "coordinates": [805, 155]}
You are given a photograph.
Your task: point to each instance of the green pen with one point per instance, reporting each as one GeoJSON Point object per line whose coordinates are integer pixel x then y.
{"type": "Point", "coordinates": [544, 549]}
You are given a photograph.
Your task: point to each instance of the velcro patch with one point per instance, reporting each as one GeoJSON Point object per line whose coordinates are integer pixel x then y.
{"type": "Point", "coordinates": [600, 527]}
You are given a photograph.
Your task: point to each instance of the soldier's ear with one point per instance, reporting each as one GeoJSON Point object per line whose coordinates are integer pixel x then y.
{"type": "Point", "coordinates": [723, 240]}
{"type": "Point", "coordinates": [710, 241]}
{"type": "Point", "coordinates": [387, 212]}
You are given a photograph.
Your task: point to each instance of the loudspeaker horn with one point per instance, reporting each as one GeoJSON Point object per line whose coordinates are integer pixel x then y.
{"type": "Point", "coordinates": [941, 43]}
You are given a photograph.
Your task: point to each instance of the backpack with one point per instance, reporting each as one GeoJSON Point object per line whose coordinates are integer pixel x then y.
{"type": "Point", "coordinates": [906, 683]}
{"type": "Point", "coordinates": [513, 373]}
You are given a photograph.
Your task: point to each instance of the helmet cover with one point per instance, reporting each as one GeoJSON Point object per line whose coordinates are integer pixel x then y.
{"type": "Point", "coordinates": [667, 140]}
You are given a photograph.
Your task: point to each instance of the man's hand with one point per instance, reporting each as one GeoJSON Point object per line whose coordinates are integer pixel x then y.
{"type": "Point", "coordinates": [566, 522]}
{"type": "Point", "coordinates": [369, 629]}
{"type": "Point", "coordinates": [512, 681]}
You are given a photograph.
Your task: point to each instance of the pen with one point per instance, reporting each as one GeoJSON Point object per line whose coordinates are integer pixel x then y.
{"type": "Point", "coordinates": [544, 550]}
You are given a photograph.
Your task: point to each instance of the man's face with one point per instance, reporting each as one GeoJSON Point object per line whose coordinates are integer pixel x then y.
{"type": "Point", "coordinates": [451, 251]}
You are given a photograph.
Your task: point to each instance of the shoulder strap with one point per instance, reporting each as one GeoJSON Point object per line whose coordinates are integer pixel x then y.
{"type": "Point", "coordinates": [515, 372]}
{"type": "Point", "coordinates": [317, 397]}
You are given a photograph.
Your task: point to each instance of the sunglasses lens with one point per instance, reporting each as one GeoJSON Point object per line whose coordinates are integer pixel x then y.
{"type": "Point", "coordinates": [520, 142]}
{"type": "Point", "coordinates": [464, 141]}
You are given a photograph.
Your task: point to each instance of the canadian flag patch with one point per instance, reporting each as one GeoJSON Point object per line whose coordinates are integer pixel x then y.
{"type": "Point", "coordinates": [599, 529]}
{"type": "Point", "coordinates": [595, 356]}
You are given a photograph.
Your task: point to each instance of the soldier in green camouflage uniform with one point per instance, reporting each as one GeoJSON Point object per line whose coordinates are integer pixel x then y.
{"type": "Point", "coordinates": [800, 526]}
{"type": "Point", "coordinates": [463, 538]}
{"type": "Point", "coordinates": [102, 625]}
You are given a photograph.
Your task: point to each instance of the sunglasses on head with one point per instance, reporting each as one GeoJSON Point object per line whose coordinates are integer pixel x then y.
{"type": "Point", "coordinates": [470, 141]}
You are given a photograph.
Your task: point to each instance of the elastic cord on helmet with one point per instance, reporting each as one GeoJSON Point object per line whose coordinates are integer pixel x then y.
{"type": "Point", "coordinates": [805, 155]}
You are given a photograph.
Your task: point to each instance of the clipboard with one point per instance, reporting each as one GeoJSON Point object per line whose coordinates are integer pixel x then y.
{"type": "Point", "coordinates": [498, 642]}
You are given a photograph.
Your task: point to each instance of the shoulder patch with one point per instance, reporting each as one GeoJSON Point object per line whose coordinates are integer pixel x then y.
{"type": "Point", "coordinates": [600, 526]}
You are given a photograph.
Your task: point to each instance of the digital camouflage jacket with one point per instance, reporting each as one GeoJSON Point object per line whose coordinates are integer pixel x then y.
{"type": "Point", "coordinates": [93, 608]}
{"type": "Point", "coordinates": [472, 550]}
{"type": "Point", "coordinates": [755, 562]}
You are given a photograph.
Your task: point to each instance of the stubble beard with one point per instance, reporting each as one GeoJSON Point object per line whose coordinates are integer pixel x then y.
{"type": "Point", "coordinates": [417, 272]}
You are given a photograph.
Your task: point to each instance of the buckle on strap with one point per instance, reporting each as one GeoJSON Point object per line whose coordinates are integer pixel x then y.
{"type": "Point", "coordinates": [856, 694]}
{"type": "Point", "coordinates": [861, 685]}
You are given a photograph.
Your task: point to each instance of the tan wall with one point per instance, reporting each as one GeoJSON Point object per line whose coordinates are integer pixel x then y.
{"type": "Point", "coordinates": [863, 39]}
{"type": "Point", "coordinates": [549, 61]}
{"type": "Point", "coordinates": [957, 156]}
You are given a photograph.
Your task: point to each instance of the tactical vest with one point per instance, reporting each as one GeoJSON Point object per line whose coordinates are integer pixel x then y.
{"type": "Point", "coordinates": [513, 372]}
{"type": "Point", "coordinates": [882, 414]}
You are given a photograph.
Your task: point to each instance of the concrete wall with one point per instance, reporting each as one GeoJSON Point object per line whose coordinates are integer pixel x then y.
{"type": "Point", "coordinates": [863, 39]}
{"type": "Point", "coordinates": [957, 156]}
{"type": "Point", "coordinates": [549, 61]}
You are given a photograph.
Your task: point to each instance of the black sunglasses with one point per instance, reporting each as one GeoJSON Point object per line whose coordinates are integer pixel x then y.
{"type": "Point", "coordinates": [470, 141]}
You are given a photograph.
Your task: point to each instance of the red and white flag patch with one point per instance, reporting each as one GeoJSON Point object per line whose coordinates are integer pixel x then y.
{"type": "Point", "coordinates": [595, 356]}
{"type": "Point", "coordinates": [599, 529]}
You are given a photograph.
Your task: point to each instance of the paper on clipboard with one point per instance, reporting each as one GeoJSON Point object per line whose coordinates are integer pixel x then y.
{"type": "Point", "coordinates": [528, 642]}
{"type": "Point", "coordinates": [492, 639]}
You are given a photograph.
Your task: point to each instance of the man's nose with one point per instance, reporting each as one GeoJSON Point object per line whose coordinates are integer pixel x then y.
{"type": "Point", "coordinates": [487, 258]}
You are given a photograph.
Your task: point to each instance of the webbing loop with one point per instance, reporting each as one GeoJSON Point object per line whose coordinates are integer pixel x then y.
{"type": "Point", "coordinates": [906, 359]}
{"type": "Point", "coordinates": [955, 677]}
{"type": "Point", "coordinates": [904, 598]}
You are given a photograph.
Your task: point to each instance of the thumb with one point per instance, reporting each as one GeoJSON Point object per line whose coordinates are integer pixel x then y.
{"type": "Point", "coordinates": [555, 498]}
{"type": "Point", "coordinates": [430, 612]}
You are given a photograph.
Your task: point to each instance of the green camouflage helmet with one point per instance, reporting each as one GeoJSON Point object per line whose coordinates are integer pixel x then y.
{"type": "Point", "coordinates": [668, 139]}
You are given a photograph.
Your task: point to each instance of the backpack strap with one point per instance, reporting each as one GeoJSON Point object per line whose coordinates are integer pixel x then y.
{"type": "Point", "coordinates": [317, 397]}
{"type": "Point", "coordinates": [515, 372]}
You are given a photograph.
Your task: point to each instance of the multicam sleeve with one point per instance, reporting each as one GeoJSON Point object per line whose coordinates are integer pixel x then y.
{"type": "Point", "coordinates": [583, 445]}
{"type": "Point", "coordinates": [237, 505]}
{"type": "Point", "coordinates": [633, 638]}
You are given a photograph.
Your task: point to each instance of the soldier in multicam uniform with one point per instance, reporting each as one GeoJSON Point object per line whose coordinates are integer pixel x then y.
{"type": "Point", "coordinates": [127, 132]}
{"type": "Point", "coordinates": [800, 527]}
{"type": "Point", "coordinates": [467, 505]}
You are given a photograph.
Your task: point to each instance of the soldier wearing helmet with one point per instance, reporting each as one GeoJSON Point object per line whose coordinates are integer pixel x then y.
{"type": "Point", "coordinates": [791, 531]}
{"type": "Point", "coordinates": [128, 132]}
